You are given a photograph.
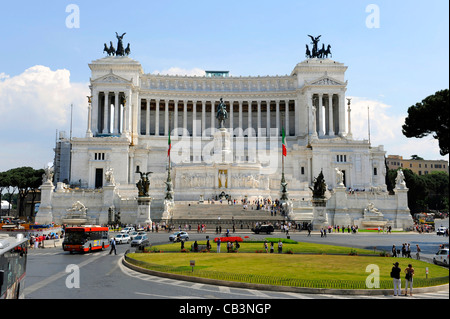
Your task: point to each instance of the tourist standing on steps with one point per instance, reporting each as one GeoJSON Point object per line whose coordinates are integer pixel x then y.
{"type": "Point", "coordinates": [395, 275]}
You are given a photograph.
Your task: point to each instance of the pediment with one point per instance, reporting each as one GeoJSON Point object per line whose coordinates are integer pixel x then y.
{"type": "Point", "coordinates": [111, 78]}
{"type": "Point", "coordinates": [326, 81]}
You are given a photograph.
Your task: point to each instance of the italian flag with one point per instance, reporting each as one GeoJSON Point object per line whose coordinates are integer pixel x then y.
{"type": "Point", "coordinates": [170, 146]}
{"type": "Point", "coordinates": [284, 143]}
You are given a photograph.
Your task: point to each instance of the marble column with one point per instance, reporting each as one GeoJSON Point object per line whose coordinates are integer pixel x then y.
{"type": "Point", "coordinates": [330, 115]}
{"type": "Point", "coordinates": [277, 117]}
{"type": "Point", "coordinates": [147, 117]}
{"type": "Point", "coordinates": [268, 119]}
{"type": "Point", "coordinates": [157, 117]}
{"type": "Point", "coordinates": [319, 114]}
{"type": "Point", "coordinates": [258, 119]}
{"type": "Point", "coordinates": [194, 118]}
{"type": "Point", "coordinates": [249, 130]}
{"type": "Point", "coordinates": [106, 114]}
{"type": "Point", "coordinates": [166, 117]}
{"type": "Point", "coordinates": [185, 127]}
{"type": "Point", "coordinates": [240, 119]}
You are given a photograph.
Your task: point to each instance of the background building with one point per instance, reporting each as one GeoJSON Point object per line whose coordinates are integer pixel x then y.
{"type": "Point", "coordinates": [418, 166]}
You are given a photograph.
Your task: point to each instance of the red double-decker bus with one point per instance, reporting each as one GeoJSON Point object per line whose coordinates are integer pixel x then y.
{"type": "Point", "coordinates": [85, 238]}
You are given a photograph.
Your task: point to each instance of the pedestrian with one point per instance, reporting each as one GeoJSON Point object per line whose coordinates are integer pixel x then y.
{"type": "Point", "coordinates": [113, 246]}
{"type": "Point", "coordinates": [237, 246]}
{"type": "Point", "coordinates": [394, 251]}
{"type": "Point", "coordinates": [208, 245]}
{"type": "Point", "coordinates": [266, 246]}
{"type": "Point", "coordinates": [395, 275]}
{"type": "Point", "coordinates": [271, 247]}
{"type": "Point", "coordinates": [418, 250]}
{"type": "Point", "coordinates": [280, 247]}
{"type": "Point", "coordinates": [408, 251]}
{"type": "Point", "coordinates": [218, 245]}
{"type": "Point", "coordinates": [409, 279]}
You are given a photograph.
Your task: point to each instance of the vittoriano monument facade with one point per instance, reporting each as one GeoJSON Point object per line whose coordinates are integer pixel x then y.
{"type": "Point", "coordinates": [225, 137]}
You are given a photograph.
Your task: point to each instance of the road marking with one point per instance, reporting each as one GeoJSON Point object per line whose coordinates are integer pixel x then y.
{"type": "Point", "coordinates": [257, 293]}
{"type": "Point", "coordinates": [297, 296]}
{"type": "Point", "coordinates": [49, 280]}
{"type": "Point", "coordinates": [224, 290]}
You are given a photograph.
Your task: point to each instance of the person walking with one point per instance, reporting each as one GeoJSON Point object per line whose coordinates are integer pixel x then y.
{"type": "Point", "coordinates": [409, 279]}
{"type": "Point", "coordinates": [394, 251]}
{"type": "Point", "coordinates": [113, 246]}
{"type": "Point", "coordinates": [418, 250]}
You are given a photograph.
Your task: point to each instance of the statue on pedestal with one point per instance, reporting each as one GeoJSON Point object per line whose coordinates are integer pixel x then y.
{"type": "Point", "coordinates": [144, 184]}
{"type": "Point", "coordinates": [222, 113]}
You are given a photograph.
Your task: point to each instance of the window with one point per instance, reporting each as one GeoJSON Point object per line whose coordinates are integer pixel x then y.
{"type": "Point", "coordinates": [341, 158]}
{"type": "Point", "coordinates": [303, 170]}
{"type": "Point", "coordinates": [375, 171]}
{"type": "Point", "coordinates": [99, 156]}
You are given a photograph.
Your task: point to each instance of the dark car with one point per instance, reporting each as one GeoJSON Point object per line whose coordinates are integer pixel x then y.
{"type": "Point", "coordinates": [263, 229]}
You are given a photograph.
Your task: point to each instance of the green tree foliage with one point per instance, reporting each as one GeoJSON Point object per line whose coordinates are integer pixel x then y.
{"type": "Point", "coordinates": [25, 180]}
{"type": "Point", "coordinates": [431, 116]}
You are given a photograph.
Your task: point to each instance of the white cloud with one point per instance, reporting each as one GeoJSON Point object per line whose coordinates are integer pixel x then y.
{"type": "Point", "coordinates": [33, 106]}
{"type": "Point", "coordinates": [181, 72]}
{"type": "Point", "coordinates": [386, 129]}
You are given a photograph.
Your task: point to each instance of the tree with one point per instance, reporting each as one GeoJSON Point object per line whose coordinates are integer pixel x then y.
{"type": "Point", "coordinates": [431, 116]}
{"type": "Point", "coordinates": [25, 179]}
{"type": "Point", "coordinates": [425, 192]}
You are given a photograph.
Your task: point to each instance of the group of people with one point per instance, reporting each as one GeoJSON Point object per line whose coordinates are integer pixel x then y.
{"type": "Point", "coordinates": [272, 249]}
{"type": "Point", "coordinates": [396, 276]}
{"type": "Point", "coordinates": [35, 241]}
{"type": "Point", "coordinates": [405, 251]}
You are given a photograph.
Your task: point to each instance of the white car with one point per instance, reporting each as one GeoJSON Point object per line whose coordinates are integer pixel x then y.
{"type": "Point", "coordinates": [122, 238]}
{"type": "Point", "coordinates": [441, 230]}
{"type": "Point", "coordinates": [441, 257]}
{"type": "Point", "coordinates": [128, 230]}
{"type": "Point", "coordinates": [178, 236]}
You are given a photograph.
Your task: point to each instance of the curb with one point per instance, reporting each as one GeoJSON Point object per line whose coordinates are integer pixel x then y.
{"type": "Point", "coordinates": [234, 284]}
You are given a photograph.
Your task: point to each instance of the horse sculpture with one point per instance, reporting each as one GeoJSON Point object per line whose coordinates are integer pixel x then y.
{"type": "Point", "coordinates": [222, 113]}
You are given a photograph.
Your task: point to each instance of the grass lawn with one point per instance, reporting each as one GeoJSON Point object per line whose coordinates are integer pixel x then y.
{"type": "Point", "coordinates": [309, 262]}
{"type": "Point", "coordinates": [251, 247]}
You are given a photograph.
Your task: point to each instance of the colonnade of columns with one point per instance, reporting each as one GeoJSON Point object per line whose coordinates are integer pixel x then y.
{"type": "Point", "coordinates": [109, 113]}
{"type": "Point", "coordinates": [329, 111]}
{"type": "Point", "coordinates": [198, 118]}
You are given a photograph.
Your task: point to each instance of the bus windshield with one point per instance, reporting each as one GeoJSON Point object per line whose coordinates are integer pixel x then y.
{"type": "Point", "coordinates": [75, 237]}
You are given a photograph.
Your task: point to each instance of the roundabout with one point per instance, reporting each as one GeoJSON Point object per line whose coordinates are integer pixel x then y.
{"type": "Point", "coordinates": [301, 268]}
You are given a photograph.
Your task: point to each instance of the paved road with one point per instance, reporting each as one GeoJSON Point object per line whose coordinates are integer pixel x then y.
{"type": "Point", "coordinates": [51, 273]}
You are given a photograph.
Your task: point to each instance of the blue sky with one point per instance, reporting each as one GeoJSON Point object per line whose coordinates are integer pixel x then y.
{"type": "Point", "coordinates": [390, 68]}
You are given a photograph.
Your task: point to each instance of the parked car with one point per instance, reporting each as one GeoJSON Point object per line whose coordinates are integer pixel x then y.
{"type": "Point", "coordinates": [178, 236]}
{"type": "Point", "coordinates": [128, 230]}
{"type": "Point", "coordinates": [441, 257]}
{"type": "Point", "coordinates": [441, 230]}
{"type": "Point", "coordinates": [140, 240]}
{"type": "Point", "coordinates": [263, 229]}
{"type": "Point", "coordinates": [122, 238]}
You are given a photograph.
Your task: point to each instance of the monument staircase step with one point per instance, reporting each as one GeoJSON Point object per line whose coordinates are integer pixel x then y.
{"type": "Point", "coordinates": [224, 211]}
